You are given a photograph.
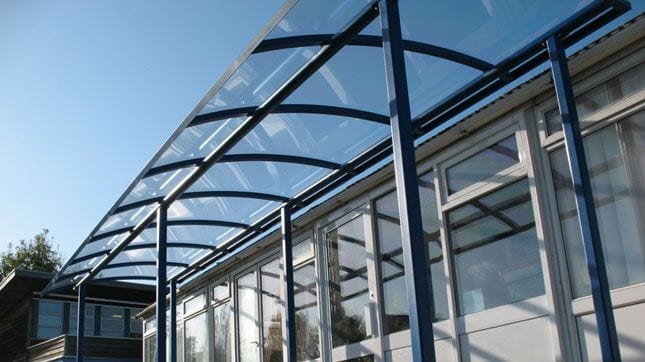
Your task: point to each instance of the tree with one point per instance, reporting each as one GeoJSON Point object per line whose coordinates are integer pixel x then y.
{"type": "Point", "coordinates": [38, 255]}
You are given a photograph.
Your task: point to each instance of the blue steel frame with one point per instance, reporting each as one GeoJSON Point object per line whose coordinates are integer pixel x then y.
{"type": "Point", "coordinates": [80, 323]}
{"type": "Point", "coordinates": [417, 275]}
{"type": "Point", "coordinates": [587, 219]}
{"type": "Point", "coordinates": [162, 238]}
{"type": "Point", "coordinates": [289, 334]}
{"type": "Point", "coordinates": [173, 321]}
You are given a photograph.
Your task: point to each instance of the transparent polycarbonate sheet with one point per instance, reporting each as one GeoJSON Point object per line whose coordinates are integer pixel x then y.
{"type": "Point", "coordinates": [129, 271]}
{"type": "Point", "coordinates": [324, 137]}
{"type": "Point", "coordinates": [124, 219]}
{"type": "Point", "coordinates": [101, 245]}
{"type": "Point", "coordinates": [489, 30]}
{"type": "Point", "coordinates": [277, 178]}
{"type": "Point", "coordinates": [258, 78]}
{"type": "Point", "coordinates": [157, 185]}
{"type": "Point", "coordinates": [432, 79]}
{"type": "Point", "coordinates": [232, 209]}
{"type": "Point", "coordinates": [199, 140]}
{"type": "Point", "coordinates": [317, 17]}
{"type": "Point", "coordinates": [353, 78]}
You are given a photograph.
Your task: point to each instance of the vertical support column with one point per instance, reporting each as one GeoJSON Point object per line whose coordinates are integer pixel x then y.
{"type": "Point", "coordinates": [289, 329]}
{"type": "Point", "coordinates": [584, 201]}
{"type": "Point", "coordinates": [417, 275]}
{"type": "Point", "coordinates": [173, 321]}
{"type": "Point", "coordinates": [162, 218]}
{"type": "Point", "coordinates": [80, 323]}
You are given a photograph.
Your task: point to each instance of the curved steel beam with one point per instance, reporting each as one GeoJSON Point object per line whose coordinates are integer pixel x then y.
{"type": "Point", "coordinates": [294, 108]}
{"type": "Point", "coordinates": [120, 265]}
{"type": "Point", "coordinates": [374, 41]}
{"type": "Point", "coordinates": [205, 194]}
{"type": "Point", "coordinates": [200, 222]}
{"type": "Point", "coordinates": [247, 157]}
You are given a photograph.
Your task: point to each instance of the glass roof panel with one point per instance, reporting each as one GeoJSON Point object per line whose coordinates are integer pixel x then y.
{"type": "Point", "coordinates": [104, 244]}
{"type": "Point", "coordinates": [317, 17]}
{"type": "Point", "coordinates": [124, 219]}
{"type": "Point", "coordinates": [432, 79]}
{"type": "Point", "coordinates": [353, 78]}
{"type": "Point", "coordinates": [157, 185]}
{"type": "Point", "coordinates": [199, 140]}
{"type": "Point", "coordinates": [258, 77]}
{"type": "Point", "coordinates": [489, 30]}
{"type": "Point", "coordinates": [276, 178]}
{"type": "Point", "coordinates": [131, 271]}
{"type": "Point", "coordinates": [233, 209]}
{"type": "Point", "coordinates": [330, 138]}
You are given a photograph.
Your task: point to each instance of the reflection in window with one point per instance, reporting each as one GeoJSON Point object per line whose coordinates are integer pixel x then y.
{"type": "Point", "coordinates": [136, 328]}
{"type": "Point", "coordinates": [271, 311]}
{"type": "Point", "coordinates": [617, 171]}
{"type": "Point", "coordinates": [150, 347]}
{"type": "Point", "coordinates": [601, 96]}
{"type": "Point", "coordinates": [112, 321]}
{"type": "Point", "coordinates": [196, 342]}
{"type": "Point", "coordinates": [247, 304]}
{"type": "Point", "coordinates": [348, 286]}
{"type": "Point", "coordinates": [495, 246]}
{"type": "Point", "coordinates": [222, 337]}
{"type": "Point", "coordinates": [482, 165]}
{"type": "Point", "coordinates": [306, 310]}
{"type": "Point", "coordinates": [392, 268]}
{"type": "Point", "coordinates": [50, 319]}
{"type": "Point", "coordinates": [89, 319]}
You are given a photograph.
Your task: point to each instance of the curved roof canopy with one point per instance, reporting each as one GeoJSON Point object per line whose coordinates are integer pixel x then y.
{"type": "Point", "coordinates": [304, 110]}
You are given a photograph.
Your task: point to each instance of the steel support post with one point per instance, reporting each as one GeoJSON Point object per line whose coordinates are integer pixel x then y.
{"type": "Point", "coordinates": [172, 331]}
{"type": "Point", "coordinates": [417, 275]}
{"type": "Point", "coordinates": [587, 219]}
{"type": "Point", "coordinates": [80, 323]}
{"type": "Point", "coordinates": [289, 326]}
{"type": "Point", "coordinates": [162, 218]}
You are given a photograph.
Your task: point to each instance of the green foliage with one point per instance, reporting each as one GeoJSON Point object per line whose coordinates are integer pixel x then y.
{"type": "Point", "coordinates": [37, 254]}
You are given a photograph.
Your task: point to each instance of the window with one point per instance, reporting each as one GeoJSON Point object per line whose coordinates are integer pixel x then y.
{"type": "Point", "coordinates": [150, 347]}
{"type": "Point", "coordinates": [495, 249]}
{"type": "Point", "coordinates": [196, 341]}
{"type": "Point", "coordinates": [221, 291]}
{"type": "Point", "coordinates": [617, 172]}
{"type": "Point", "coordinates": [89, 319]}
{"type": "Point", "coordinates": [481, 165]}
{"type": "Point", "coordinates": [195, 304]}
{"type": "Point", "coordinates": [271, 311]}
{"type": "Point", "coordinates": [247, 305]}
{"type": "Point", "coordinates": [136, 328]}
{"type": "Point", "coordinates": [221, 333]}
{"type": "Point", "coordinates": [50, 319]}
{"type": "Point", "coordinates": [112, 321]}
{"type": "Point", "coordinates": [395, 306]}
{"type": "Point", "coordinates": [306, 303]}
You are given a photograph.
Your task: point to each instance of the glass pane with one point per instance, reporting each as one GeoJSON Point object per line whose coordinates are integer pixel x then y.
{"type": "Point", "coordinates": [314, 17]}
{"type": "Point", "coordinates": [496, 253]}
{"type": "Point", "coordinates": [195, 304]}
{"type": "Point", "coordinates": [349, 289]}
{"type": "Point", "coordinates": [49, 332]}
{"type": "Point", "coordinates": [617, 171]}
{"type": "Point", "coordinates": [150, 348]}
{"type": "Point", "coordinates": [50, 307]}
{"type": "Point", "coordinates": [234, 209]}
{"type": "Point", "coordinates": [330, 138]}
{"type": "Point", "coordinates": [431, 79]}
{"type": "Point", "coordinates": [304, 249]}
{"type": "Point", "coordinates": [612, 91]}
{"type": "Point", "coordinates": [198, 141]}
{"type": "Point", "coordinates": [482, 165]}
{"type": "Point", "coordinates": [258, 78]}
{"type": "Point", "coordinates": [392, 267]}
{"type": "Point", "coordinates": [221, 291]}
{"type": "Point", "coordinates": [271, 311]}
{"type": "Point", "coordinates": [275, 178]}
{"type": "Point", "coordinates": [156, 186]}
{"type": "Point", "coordinates": [490, 30]}
{"type": "Point", "coordinates": [340, 82]}
{"type": "Point", "coordinates": [222, 344]}
{"type": "Point", "coordinates": [306, 309]}
{"type": "Point", "coordinates": [100, 245]}
{"type": "Point", "coordinates": [247, 305]}
{"type": "Point", "coordinates": [124, 219]}
{"type": "Point", "coordinates": [196, 341]}
{"type": "Point", "coordinates": [112, 321]}
{"type": "Point", "coordinates": [89, 319]}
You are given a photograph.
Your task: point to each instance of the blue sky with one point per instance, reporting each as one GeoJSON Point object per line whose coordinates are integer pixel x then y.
{"type": "Point", "coordinates": [89, 90]}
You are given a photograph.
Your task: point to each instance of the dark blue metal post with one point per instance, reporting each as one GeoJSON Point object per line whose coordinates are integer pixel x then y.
{"type": "Point", "coordinates": [173, 321]}
{"type": "Point", "coordinates": [417, 276]}
{"type": "Point", "coordinates": [289, 332]}
{"type": "Point", "coordinates": [584, 201]}
{"type": "Point", "coordinates": [80, 323]}
{"type": "Point", "coordinates": [162, 218]}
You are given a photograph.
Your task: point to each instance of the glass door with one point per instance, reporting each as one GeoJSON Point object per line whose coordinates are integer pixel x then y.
{"type": "Point", "coordinates": [354, 327]}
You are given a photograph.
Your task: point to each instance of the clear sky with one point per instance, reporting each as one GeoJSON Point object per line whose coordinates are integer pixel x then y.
{"type": "Point", "coordinates": [89, 90]}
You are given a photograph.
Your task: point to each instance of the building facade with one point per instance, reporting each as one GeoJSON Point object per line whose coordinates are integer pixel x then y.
{"type": "Point", "coordinates": [509, 276]}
